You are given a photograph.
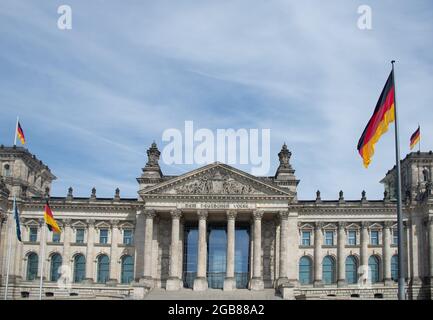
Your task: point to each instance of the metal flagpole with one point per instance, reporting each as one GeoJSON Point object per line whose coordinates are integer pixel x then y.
{"type": "Point", "coordinates": [16, 131]}
{"type": "Point", "coordinates": [401, 287]}
{"type": "Point", "coordinates": [43, 237]}
{"type": "Point", "coordinates": [8, 259]}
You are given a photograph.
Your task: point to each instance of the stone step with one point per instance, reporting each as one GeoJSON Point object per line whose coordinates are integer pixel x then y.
{"type": "Point", "coordinates": [212, 294]}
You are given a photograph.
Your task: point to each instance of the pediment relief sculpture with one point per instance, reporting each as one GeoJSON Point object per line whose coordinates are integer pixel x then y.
{"type": "Point", "coordinates": [214, 182]}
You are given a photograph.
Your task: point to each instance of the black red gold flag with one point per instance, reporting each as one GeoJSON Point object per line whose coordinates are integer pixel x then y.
{"type": "Point", "coordinates": [383, 115]}
{"type": "Point", "coordinates": [415, 138]}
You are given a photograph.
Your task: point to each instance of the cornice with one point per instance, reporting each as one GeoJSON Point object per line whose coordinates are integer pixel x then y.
{"type": "Point", "coordinates": [85, 206]}
{"type": "Point", "coordinates": [212, 197]}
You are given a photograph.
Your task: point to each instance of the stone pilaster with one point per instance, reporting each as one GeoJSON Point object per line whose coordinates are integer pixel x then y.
{"type": "Point", "coordinates": [341, 261]}
{"type": "Point", "coordinates": [284, 242]}
{"type": "Point", "coordinates": [148, 242]}
{"type": "Point", "coordinates": [318, 239]}
{"type": "Point", "coordinates": [230, 281]}
{"type": "Point", "coordinates": [257, 279]}
{"type": "Point", "coordinates": [365, 239]}
{"type": "Point", "coordinates": [139, 235]}
{"type": "Point", "coordinates": [387, 253]}
{"type": "Point", "coordinates": [430, 245]}
{"type": "Point", "coordinates": [174, 280]}
{"type": "Point", "coordinates": [90, 258]}
{"type": "Point", "coordinates": [67, 243]}
{"type": "Point", "coordinates": [293, 247]}
{"type": "Point", "coordinates": [114, 259]}
{"type": "Point", "coordinates": [200, 282]}
{"type": "Point", "coordinates": [415, 233]}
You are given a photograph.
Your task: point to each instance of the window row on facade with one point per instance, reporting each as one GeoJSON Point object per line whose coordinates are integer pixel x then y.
{"type": "Point", "coordinates": [80, 236]}
{"type": "Point", "coordinates": [352, 270]}
{"type": "Point", "coordinates": [352, 238]}
{"type": "Point", "coordinates": [79, 268]}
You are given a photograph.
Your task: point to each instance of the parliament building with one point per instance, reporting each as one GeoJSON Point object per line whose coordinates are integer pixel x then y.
{"type": "Point", "coordinates": [215, 227]}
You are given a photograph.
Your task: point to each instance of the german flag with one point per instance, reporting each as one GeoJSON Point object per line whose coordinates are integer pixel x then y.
{"type": "Point", "coordinates": [49, 219]}
{"type": "Point", "coordinates": [20, 133]}
{"type": "Point", "coordinates": [383, 115]}
{"type": "Point", "coordinates": [414, 139]}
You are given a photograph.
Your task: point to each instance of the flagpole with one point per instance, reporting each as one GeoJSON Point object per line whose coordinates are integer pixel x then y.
{"type": "Point", "coordinates": [8, 259]}
{"type": "Point", "coordinates": [16, 131]}
{"type": "Point", "coordinates": [401, 280]}
{"type": "Point", "coordinates": [43, 237]}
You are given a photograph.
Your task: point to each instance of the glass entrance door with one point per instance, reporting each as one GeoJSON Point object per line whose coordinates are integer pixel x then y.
{"type": "Point", "coordinates": [190, 256]}
{"type": "Point", "coordinates": [217, 255]}
{"type": "Point", "coordinates": [242, 257]}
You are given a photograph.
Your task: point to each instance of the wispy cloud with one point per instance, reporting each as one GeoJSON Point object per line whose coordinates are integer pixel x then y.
{"type": "Point", "coordinates": [92, 99]}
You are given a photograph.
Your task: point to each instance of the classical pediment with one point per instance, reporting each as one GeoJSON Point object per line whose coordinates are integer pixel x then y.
{"type": "Point", "coordinates": [216, 179]}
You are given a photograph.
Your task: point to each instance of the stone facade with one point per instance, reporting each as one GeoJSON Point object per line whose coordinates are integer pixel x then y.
{"type": "Point", "coordinates": [302, 249]}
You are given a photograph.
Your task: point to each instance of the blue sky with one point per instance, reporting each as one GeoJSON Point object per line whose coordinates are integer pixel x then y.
{"type": "Point", "coordinates": [92, 99]}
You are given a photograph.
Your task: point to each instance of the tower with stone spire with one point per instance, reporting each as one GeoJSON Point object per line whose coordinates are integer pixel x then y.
{"type": "Point", "coordinates": [151, 172]}
{"type": "Point", "coordinates": [285, 175]}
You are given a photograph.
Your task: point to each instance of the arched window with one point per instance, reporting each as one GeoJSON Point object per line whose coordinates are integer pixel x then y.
{"type": "Point", "coordinates": [305, 270]}
{"type": "Point", "coordinates": [7, 170]}
{"type": "Point", "coordinates": [32, 266]}
{"type": "Point", "coordinates": [373, 269]}
{"type": "Point", "coordinates": [394, 268]}
{"type": "Point", "coordinates": [56, 262]}
{"type": "Point", "coordinates": [127, 273]}
{"type": "Point", "coordinates": [351, 270]}
{"type": "Point", "coordinates": [328, 270]}
{"type": "Point", "coordinates": [103, 268]}
{"type": "Point", "coordinates": [79, 268]}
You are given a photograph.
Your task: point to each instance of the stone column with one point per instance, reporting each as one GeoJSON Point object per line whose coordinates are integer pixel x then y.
{"type": "Point", "coordinates": [174, 281]}
{"type": "Point", "coordinates": [430, 245]}
{"type": "Point", "coordinates": [200, 282]}
{"type": "Point", "coordinates": [387, 253]}
{"type": "Point", "coordinates": [257, 280]}
{"type": "Point", "coordinates": [365, 239]}
{"type": "Point", "coordinates": [341, 281]}
{"type": "Point", "coordinates": [284, 242]}
{"type": "Point", "coordinates": [148, 241]}
{"type": "Point", "coordinates": [230, 281]}
{"type": "Point", "coordinates": [90, 259]}
{"type": "Point", "coordinates": [318, 239]}
{"type": "Point", "coordinates": [114, 258]}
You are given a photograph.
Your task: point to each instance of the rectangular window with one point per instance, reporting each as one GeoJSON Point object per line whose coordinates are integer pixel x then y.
{"type": "Point", "coordinates": [352, 238]}
{"type": "Point", "coordinates": [306, 238]}
{"type": "Point", "coordinates": [56, 237]}
{"type": "Point", "coordinates": [329, 238]}
{"type": "Point", "coordinates": [127, 236]}
{"type": "Point", "coordinates": [79, 236]}
{"type": "Point", "coordinates": [103, 236]}
{"type": "Point", "coordinates": [374, 238]}
{"type": "Point", "coordinates": [33, 235]}
{"type": "Point", "coordinates": [395, 236]}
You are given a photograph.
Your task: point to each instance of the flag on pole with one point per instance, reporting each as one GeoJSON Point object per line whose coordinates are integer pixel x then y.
{"type": "Point", "coordinates": [20, 133]}
{"type": "Point", "coordinates": [415, 138]}
{"type": "Point", "coordinates": [49, 219]}
{"type": "Point", "coordinates": [17, 221]}
{"type": "Point", "coordinates": [382, 116]}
